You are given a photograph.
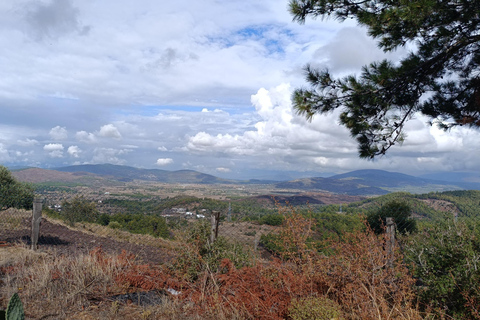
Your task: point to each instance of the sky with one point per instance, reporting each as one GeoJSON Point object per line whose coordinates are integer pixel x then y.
{"type": "Point", "coordinates": [200, 84]}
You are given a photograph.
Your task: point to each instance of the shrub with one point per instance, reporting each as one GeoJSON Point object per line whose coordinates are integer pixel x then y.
{"type": "Point", "coordinates": [103, 219]}
{"type": "Point", "coordinates": [398, 210]}
{"type": "Point", "coordinates": [445, 255]}
{"type": "Point", "coordinates": [141, 224]}
{"type": "Point", "coordinates": [200, 254]}
{"type": "Point", "coordinates": [114, 225]}
{"type": "Point", "coordinates": [319, 308]}
{"type": "Point", "coordinates": [79, 209]}
{"type": "Point", "coordinates": [14, 194]}
{"type": "Point", "coordinates": [272, 219]}
{"type": "Point", "coordinates": [356, 276]}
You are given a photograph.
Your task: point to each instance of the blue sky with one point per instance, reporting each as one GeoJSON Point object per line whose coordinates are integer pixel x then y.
{"type": "Point", "coordinates": [204, 85]}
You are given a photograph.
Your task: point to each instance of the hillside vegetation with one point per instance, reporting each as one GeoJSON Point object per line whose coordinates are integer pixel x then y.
{"type": "Point", "coordinates": [281, 256]}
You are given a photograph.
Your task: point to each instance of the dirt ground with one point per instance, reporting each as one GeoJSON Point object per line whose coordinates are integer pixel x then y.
{"type": "Point", "coordinates": [66, 241]}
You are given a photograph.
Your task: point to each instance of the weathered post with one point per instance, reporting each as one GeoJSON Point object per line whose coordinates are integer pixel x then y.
{"type": "Point", "coordinates": [214, 220]}
{"type": "Point", "coordinates": [36, 218]}
{"type": "Point", "coordinates": [390, 241]}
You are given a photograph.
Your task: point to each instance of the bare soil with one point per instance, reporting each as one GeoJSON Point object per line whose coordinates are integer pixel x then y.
{"type": "Point", "coordinates": [66, 241]}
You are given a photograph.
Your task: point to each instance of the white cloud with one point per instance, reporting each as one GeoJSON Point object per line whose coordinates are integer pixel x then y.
{"type": "Point", "coordinates": [4, 156]}
{"type": "Point", "coordinates": [223, 170]}
{"type": "Point", "coordinates": [27, 142]}
{"type": "Point", "coordinates": [163, 79]}
{"type": "Point", "coordinates": [55, 150]}
{"type": "Point", "coordinates": [109, 131]}
{"type": "Point", "coordinates": [53, 147]}
{"type": "Point", "coordinates": [85, 137]}
{"type": "Point", "coordinates": [109, 155]}
{"type": "Point", "coordinates": [74, 151]}
{"type": "Point", "coordinates": [280, 133]}
{"type": "Point", "coordinates": [58, 133]}
{"type": "Point", "coordinates": [164, 161]}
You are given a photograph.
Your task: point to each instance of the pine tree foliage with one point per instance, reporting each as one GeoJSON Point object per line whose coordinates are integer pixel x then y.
{"type": "Point", "coordinates": [439, 79]}
{"type": "Point", "coordinates": [14, 194]}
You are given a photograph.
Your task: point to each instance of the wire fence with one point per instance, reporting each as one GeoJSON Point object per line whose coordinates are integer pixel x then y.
{"type": "Point", "coordinates": [150, 237]}
{"type": "Point", "coordinates": [443, 249]}
{"type": "Point", "coordinates": [52, 226]}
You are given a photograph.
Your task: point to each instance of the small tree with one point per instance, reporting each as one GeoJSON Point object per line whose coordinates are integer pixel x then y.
{"type": "Point", "coordinates": [79, 209]}
{"type": "Point", "coordinates": [398, 210]}
{"type": "Point", "coordinates": [14, 194]}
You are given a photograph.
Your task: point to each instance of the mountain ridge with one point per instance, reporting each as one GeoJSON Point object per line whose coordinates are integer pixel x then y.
{"type": "Point", "coordinates": [368, 182]}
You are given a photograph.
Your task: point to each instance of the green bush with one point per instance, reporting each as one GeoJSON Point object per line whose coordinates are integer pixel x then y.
{"type": "Point", "coordinates": [14, 194]}
{"type": "Point", "coordinates": [318, 308]}
{"type": "Point", "coordinates": [142, 224]}
{"type": "Point", "coordinates": [273, 219]}
{"type": "Point", "coordinates": [200, 254]}
{"type": "Point", "coordinates": [270, 242]}
{"type": "Point", "coordinates": [446, 259]}
{"type": "Point", "coordinates": [400, 211]}
{"type": "Point", "coordinates": [114, 225]}
{"type": "Point", "coordinates": [103, 219]}
{"type": "Point", "coordinates": [79, 210]}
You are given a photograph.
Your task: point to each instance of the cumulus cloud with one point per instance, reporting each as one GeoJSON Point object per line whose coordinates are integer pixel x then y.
{"type": "Point", "coordinates": [109, 155]}
{"type": "Point", "coordinates": [85, 137]}
{"type": "Point", "coordinates": [55, 150]}
{"type": "Point", "coordinates": [223, 170]}
{"type": "Point", "coordinates": [282, 139]}
{"type": "Point", "coordinates": [27, 142]}
{"type": "Point", "coordinates": [58, 133]}
{"type": "Point", "coordinates": [280, 134]}
{"type": "Point", "coordinates": [109, 131]}
{"type": "Point", "coordinates": [181, 82]}
{"type": "Point", "coordinates": [164, 161]}
{"type": "Point", "coordinates": [4, 156]}
{"type": "Point", "coordinates": [74, 151]}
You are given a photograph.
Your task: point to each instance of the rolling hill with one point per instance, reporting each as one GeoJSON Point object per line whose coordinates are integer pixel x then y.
{"type": "Point", "coordinates": [125, 173]}
{"type": "Point", "coordinates": [355, 183]}
{"type": "Point", "coordinates": [374, 182]}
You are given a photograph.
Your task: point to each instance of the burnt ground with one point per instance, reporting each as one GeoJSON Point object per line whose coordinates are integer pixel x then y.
{"type": "Point", "coordinates": [66, 241]}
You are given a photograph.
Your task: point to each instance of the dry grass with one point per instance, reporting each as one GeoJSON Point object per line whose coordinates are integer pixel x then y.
{"type": "Point", "coordinates": [58, 285]}
{"type": "Point", "coordinates": [116, 234]}
{"type": "Point", "coordinates": [356, 278]}
{"type": "Point", "coordinates": [244, 231]}
{"type": "Point", "coordinates": [62, 287]}
{"type": "Point", "coordinates": [13, 219]}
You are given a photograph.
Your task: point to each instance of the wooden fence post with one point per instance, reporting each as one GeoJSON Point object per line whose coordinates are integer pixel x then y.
{"type": "Point", "coordinates": [36, 218]}
{"type": "Point", "coordinates": [390, 241]}
{"type": "Point", "coordinates": [215, 220]}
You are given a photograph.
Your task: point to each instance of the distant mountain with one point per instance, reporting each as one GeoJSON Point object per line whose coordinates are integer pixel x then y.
{"type": "Point", "coordinates": [373, 182]}
{"type": "Point", "coordinates": [349, 187]}
{"type": "Point", "coordinates": [457, 177]}
{"type": "Point", "coordinates": [355, 183]}
{"type": "Point", "coordinates": [125, 173]}
{"type": "Point", "coordinates": [384, 179]}
{"type": "Point", "coordinates": [37, 175]}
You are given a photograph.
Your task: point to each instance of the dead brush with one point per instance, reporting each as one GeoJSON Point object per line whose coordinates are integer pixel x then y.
{"type": "Point", "coordinates": [59, 285]}
{"type": "Point", "coordinates": [257, 292]}
{"type": "Point", "coordinates": [357, 277]}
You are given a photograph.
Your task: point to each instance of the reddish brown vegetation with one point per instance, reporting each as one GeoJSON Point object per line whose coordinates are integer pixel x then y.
{"type": "Point", "coordinates": [354, 275]}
